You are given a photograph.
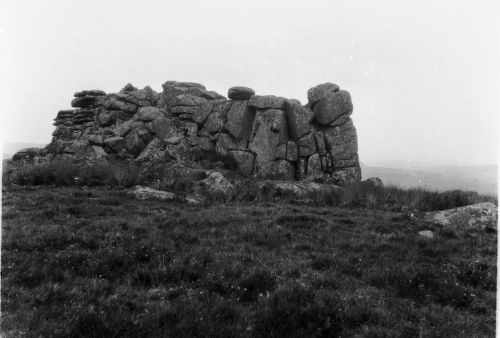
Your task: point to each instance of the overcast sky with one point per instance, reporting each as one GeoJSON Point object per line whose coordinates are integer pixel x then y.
{"type": "Point", "coordinates": [424, 76]}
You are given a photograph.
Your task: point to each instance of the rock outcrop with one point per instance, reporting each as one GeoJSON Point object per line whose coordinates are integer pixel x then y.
{"type": "Point", "coordinates": [480, 216]}
{"type": "Point", "coordinates": [265, 135]}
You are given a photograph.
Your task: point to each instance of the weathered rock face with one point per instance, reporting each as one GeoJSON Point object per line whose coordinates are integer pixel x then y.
{"type": "Point", "coordinates": [265, 135]}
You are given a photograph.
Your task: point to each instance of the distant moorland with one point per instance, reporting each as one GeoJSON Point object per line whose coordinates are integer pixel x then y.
{"type": "Point", "coordinates": [479, 178]}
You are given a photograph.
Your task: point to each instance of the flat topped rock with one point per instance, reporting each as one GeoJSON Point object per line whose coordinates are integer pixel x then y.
{"type": "Point", "coordinates": [184, 84]}
{"type": "Point", "coordinates": [92, 92]}
{"type": "Point", "coordinates": [65, 114]}
{"type": "Point", "coordinates": [146, 193]}
{"type": "Point", "coordinates": [240, 93]}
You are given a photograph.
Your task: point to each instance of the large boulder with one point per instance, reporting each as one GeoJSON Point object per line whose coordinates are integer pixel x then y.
{"type": "Point", "coordinates": [240, 120]}
{"type": "Point", "coordinates": [91, 92]}
{"type": "Point", "coordinates": [140, 97]}
{"type": "Point", "coordinates": [330, 108]}
{"type": "Point", "coordinates": [299, 119]}
{"type": "Point", "coordinates": [479, 216]}
{"type": "Point", "coordinates": [215, 186]}
{"type": "Point", "coordinates": [320, 91]}
{"type": "Point", "coordinates": [341, 141]}
{"type": "Point", "coordinates": [128, 88]}
{"type": "Point", "coordinates": [240, 93]}
{"type": "Point", "coordinates": [172, 89]}
{"type": "Point", "coordinates": [269, 130]}
{"type": "Point", "coordinates": [373, 182]}
{"type": "Point", "coordinates": [184, 84]}
{"type": "Point", "coordinates": [86, 101]}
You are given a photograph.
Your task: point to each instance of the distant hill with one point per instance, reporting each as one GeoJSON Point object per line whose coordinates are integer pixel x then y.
{"type": "Point", "coordinates": [10, 148]}
{"type": "Point", "coordinates": [480, 178]}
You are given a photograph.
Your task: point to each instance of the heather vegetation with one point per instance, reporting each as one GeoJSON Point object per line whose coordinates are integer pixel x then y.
{"type": "Point", "coordinates": [170, 177]}
{"type": "Point", "coordinates": [94, 262]}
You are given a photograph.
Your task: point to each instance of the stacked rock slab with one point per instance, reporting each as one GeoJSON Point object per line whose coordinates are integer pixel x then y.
{"type": "Point", "coordinates": [266, 136]}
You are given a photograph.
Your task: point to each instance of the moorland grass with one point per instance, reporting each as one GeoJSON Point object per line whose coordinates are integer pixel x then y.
{"type": "Point", "coordinates": [92, 262]}
{"type": "Point", "coordinates": [181, 180]}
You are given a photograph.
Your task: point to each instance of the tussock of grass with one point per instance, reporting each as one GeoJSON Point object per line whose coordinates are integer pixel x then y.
{"type": "Point", "coordinates": [64, 172]}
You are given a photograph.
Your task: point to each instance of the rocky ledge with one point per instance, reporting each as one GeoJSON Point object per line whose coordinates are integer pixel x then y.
{"type": "Point", "coordinates": [265, 135]}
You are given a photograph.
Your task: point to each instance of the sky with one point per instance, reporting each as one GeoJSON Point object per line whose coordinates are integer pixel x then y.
{"type": "Point", "coordinates": [424, 76]}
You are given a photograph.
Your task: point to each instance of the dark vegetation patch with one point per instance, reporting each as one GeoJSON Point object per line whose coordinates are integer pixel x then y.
{"type": "Point", "coordinates": [91, 262]}
{"type": "Point", "coordinates": [167, 176]}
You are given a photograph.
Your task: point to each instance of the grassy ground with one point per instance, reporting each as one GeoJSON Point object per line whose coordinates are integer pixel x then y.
{"type": "Point", "coordinates": [95, 263]}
